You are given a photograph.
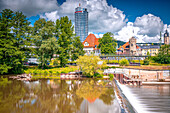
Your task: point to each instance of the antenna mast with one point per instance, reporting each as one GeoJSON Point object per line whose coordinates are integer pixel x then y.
{"type": "Point", "coordinates": [160, 40]}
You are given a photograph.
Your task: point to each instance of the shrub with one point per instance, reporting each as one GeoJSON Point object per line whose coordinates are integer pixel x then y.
{"type": "Point", "coordinates": [146, 62]}
{"type": "Point", "coordinates": [99, 76]}
{"type": "Point", "coordinates": [124, 62]}
{"type": "Point", "coordinates": [96, 74]}
{"type": "Point", "coordinates": [35, 72]}
{"type": "Point", "coordinates": [46, 72]}
{"type": "Point", "coordinates": [111, 75]}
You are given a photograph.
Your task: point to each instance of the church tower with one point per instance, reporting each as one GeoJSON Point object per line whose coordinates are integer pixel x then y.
{"type": "Point", "coordinates": [166, 37]}
{"type": "Point", "coordinates": [132, 46]}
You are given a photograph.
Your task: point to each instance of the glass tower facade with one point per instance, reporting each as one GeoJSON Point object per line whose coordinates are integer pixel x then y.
{"type": "Point", "coordinates": [81, 23]}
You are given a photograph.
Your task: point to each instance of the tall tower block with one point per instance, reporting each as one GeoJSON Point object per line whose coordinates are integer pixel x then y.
{"type": "Point", "coordinates": [166, 37]}
{"type": "Point", "coordinates": [81, 22]}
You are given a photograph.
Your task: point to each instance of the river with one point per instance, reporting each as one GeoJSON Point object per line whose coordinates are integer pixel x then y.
{"type": "Point", "coordinates": [151, 98]}
{"type": "Point", "coordinates": [59, 96]}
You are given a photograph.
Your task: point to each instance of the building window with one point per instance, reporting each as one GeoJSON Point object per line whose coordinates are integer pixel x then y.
{"type": "Point", "coordinates": [86, 44]}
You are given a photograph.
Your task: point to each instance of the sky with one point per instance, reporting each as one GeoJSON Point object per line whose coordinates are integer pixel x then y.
{"type": "Point", "coordinates": [143, 19]}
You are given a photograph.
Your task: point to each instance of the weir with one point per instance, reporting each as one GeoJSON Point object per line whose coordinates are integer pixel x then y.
{"type": "Point", "coordinates": [125, 79]}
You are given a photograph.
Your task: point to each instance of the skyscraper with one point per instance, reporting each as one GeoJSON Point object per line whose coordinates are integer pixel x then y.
{"type": "Point", "coordinates": [81, 23]}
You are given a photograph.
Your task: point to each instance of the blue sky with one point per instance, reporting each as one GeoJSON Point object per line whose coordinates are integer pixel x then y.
{"type": "Point", "coordinates": [136, 8]}
{"type": "Point", "coordinates": [125, 18]}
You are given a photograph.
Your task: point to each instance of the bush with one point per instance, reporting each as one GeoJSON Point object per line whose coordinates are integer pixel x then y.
{"type": "Point", "coordinates": [111, 75]}
{"type": "Point", "coordinates": [96, 74]}
{"type": "Point", "coordinates": [46, 72]}
{"type": "Point", "coordinates": [112, 61]}
{"type": "Point", "coordinates": [50, 71]}
{"type": "Point", "coordinates": [99, 76]}
{"type": "Point", "coordinates": [35, 72]}
{"type": "Point", "coordinates": [146, 62]}
{"type": "Point", "coordinates": [124, 62]}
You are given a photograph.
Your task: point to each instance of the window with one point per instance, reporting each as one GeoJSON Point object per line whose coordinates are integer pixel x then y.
{"type": "Point", "coordinates": [86, 44]}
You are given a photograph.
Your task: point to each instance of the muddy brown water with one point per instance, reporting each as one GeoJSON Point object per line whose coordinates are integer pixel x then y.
{"type": "Point", "coordinates": [58, 96]}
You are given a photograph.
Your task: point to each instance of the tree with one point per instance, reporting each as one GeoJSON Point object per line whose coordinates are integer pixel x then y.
{"type": "Point", "coordinates": [14, 30]}
{"type": "Point", "coordinates": [64, 33]}
{"type": "Point", "coordinates": [46, 51]}
{"type": "Point", "coordinates": [163, 56]}
{"type": "Point", "coordinates": [45, 41]}
{"type": "Point", "coordinates": [77, 49]}
{"type": "Point", "coordinates": [124, 62]}
{"type": "Point", "coordinates": [90, 64]}
{"type": "Point", "coordinates": [107, 44]}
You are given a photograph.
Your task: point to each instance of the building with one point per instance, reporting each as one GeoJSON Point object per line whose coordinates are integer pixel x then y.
{"type": "Point", "coordinates": [90, 45]}
{"type": "Point", "coordinates": [166, 37]}
{"type": "Point", "coordinates": [81, 23]}
{"type": "Point", "coordinates": [151, 49]}
{"type": "Point", "coordinates": [129, 48]}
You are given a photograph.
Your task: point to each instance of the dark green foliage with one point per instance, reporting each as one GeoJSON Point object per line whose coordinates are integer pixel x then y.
{"type": "Point", "coordinates": [146, 62]}
{"type": "Point", "coordinates": [107, 44]}
{"type": "Point", "coordinates": [14, 37]}
{"type": "Point", "coordinates": [64, 32]}
{"type": "Point", "coordinates": [46, 51]}
{"type": "Point", "coordinates": [45, 41]}
{"type": "Point", "coordinates": [111, 75]}
{"type": "Point", "coordinates": [163, 56]}
{"type": "Point", "coordinates": [77, 49]}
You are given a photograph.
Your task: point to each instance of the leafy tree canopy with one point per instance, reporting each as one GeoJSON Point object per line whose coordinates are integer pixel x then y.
{"type": "Point", "coordinates": [107, 44]}
{"type": "Point", "coordinates": [14, 40]}
{"type": "Point", "coordinates": [90, 64]}
{"type": "Point", "coordinates": [163, 56]}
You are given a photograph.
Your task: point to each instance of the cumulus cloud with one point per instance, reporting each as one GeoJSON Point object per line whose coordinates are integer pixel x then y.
{"type": "Point", "coordinates": [29, 7]}
{"type": "Point", "coordinates": [102, 17]}
{"type": "Point", "coordinates": [146, 29]}
{"type": "Point", "coordinates": [149, 25]}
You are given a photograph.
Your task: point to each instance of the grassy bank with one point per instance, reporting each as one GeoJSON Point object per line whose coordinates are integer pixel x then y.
{"type": "Point", "coordinates": [51, 72]}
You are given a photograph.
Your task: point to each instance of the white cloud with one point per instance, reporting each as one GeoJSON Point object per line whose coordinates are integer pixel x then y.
{"type": "Point", "coordinates": [53, 16]}
{"type": "Point", "coordinates": [29, 7]}
{"type": "Point", "coordinates": [146, 29]}
{"type": "Point", "coordinates": [102, 17]}
{"type": "Point", "coordinates": [149, 25]}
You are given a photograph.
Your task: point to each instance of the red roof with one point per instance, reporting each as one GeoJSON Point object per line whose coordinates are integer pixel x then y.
{"type": "Point", "coordinates": [125, 46]}
{"type": "Point", "coordinates": [91, 40]}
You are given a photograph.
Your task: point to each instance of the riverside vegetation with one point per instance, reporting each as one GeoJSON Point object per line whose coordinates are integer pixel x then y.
{"type": "Point", "coordinates": [48, 40]}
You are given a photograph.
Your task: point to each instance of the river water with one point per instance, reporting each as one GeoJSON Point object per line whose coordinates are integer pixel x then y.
{"type": "Point", "coordinates": [150, 98]}
{"type": "Point", "coordinates": [58, 96]}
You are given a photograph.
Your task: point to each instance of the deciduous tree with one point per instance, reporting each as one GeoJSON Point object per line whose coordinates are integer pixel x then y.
{"type": "Point", "coordinates": [107, 44]}
{"type": "Point", "coordinates": [90, 64]}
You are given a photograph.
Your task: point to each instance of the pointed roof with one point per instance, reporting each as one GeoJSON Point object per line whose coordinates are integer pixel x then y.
{"type": "Point", "coordinates": [91, 40]}
{"type": "Point", "coordinates": [126, 46]}
{"type": "Point", "coordinates": [166, 34]}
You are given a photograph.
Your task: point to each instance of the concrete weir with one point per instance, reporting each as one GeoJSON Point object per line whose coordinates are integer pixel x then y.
{"type": "Point", "coordinates": [123, 78]}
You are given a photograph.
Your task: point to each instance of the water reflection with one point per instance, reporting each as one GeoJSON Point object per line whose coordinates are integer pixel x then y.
{"type": "Point", "coordinates": [60, 96]}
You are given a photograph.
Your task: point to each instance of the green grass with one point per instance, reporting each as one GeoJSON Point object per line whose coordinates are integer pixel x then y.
{"type": "Point", "coordinates": [51, 72]}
